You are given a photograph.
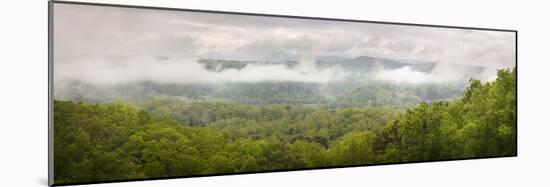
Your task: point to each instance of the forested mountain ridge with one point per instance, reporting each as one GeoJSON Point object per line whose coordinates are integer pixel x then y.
{"type": "Point", "coordinates": [360, 86]}
{"type": "Point", "coordinates": [361, 64]}
{"type": "Point", "coordinates": [367, 64]}
{"type": "Point", "coordinates": [162, 138]}
{"type": "Point", "coordinates": [335, 94]}
{"type": "Point", "coordinates": [221, 65]}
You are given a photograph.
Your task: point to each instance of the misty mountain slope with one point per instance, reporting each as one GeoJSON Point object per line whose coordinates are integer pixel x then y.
{"type": "Point", "coordinates": [360, 65]}
{"type": "Point", "coordinates": [218, 65]}
{"type": "Point", "coordinates": [337, 94]}
{"type": "Point", "coordinates": [330, 81]}
{"type": "Point", "coordinates": [377, 94]}
{"type": "Point", "coordinates": [271, 93]}
{"type": "Point", "coordinates": [137, 91]}
{"type": "Point", "coordinates": [367, 64]}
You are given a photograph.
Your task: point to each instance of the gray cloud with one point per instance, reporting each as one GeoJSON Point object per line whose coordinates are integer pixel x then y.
{"type": "Point", "coordinates": [124, 43]}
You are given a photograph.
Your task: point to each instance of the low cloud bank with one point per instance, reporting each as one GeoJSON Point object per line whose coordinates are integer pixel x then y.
{"type": "Point", "coordinates": [442, 73]}
{"type": "Point", "coordinates": [104, 72]}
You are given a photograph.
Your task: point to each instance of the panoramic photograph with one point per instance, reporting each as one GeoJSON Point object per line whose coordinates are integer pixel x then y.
{"type": "Point", "coordinates": [149, 93]}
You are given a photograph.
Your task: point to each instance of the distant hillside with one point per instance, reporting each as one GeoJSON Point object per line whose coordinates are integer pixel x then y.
{"type": "Point", "coordinates": [218, 65]}
{"type": "Point", "coordinates": [367, 64]}
{"type": "Point", "coordinates": [337, 94]}
{"type": "Point", "coordinates": [361, 64]}
{"type": "Point", "coordinates": [353, 91]}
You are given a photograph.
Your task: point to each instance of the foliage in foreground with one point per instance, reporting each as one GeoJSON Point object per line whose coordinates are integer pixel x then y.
{"type": "Point", "coordinates": [102, 142]}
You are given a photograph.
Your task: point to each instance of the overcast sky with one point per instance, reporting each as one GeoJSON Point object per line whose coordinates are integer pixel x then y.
{"type": "Point", "coordinates": [93, 34]}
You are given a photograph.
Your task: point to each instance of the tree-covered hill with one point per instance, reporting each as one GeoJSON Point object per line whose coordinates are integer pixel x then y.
{"type": "Point", "coordinates": [335, 94]}
{"type": "Point", "coordinates": [171, 137]}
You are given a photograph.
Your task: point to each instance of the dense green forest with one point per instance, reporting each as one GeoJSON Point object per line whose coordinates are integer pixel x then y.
{"type": "Point", "coordinates": [180, 137]}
